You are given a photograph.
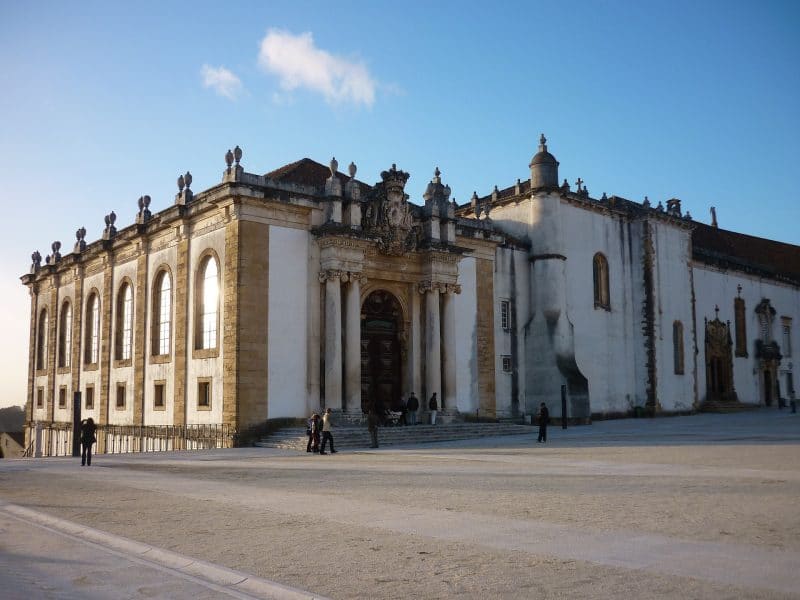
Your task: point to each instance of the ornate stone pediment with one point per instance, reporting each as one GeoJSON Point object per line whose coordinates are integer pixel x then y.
{"type": "Point", "coordinates": [387, 215]}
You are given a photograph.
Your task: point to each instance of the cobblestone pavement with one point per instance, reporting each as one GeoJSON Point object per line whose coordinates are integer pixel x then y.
{"type": "Point", "coordinates": [686, 507]}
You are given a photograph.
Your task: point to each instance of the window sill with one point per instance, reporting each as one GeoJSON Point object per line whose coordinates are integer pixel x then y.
{"type": "Point", "coordinates": [205, 353]}
{"type": "Point", "coordinates": [91, 367]}
{"type": "Point", "coordinates": [204, 408]}
{"type": "Point", "coordinates": [63, 370]}
{"type": "Point", "coordinates": [160, 359]}
{"type": "Point", "coordinates": [125, 362]}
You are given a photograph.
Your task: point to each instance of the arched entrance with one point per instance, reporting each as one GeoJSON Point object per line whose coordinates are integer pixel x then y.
{"type": "Point", "coordinates": [381, 319]}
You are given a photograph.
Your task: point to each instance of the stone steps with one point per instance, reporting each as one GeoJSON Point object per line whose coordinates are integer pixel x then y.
{"type": "Point", "coordinates": [726, 406]}
{"type": "Point", "coordinates": [294, 438]}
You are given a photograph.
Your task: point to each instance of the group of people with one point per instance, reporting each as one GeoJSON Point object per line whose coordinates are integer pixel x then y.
{"type": "Point", "coordinates": [320, 428]}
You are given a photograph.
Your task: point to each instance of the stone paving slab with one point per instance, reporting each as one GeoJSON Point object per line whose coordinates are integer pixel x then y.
{"type": "Point", "coordinates": [697, 507]}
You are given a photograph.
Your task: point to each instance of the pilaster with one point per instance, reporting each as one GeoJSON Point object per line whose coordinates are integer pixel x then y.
{"type": "Point", "coordinates": [77, 340]}
{"type": "Point", "coordinates": [353, 344]}
{"type": "Point", "coordinates": [433, 344]}
{"type": "Point", "coordinates": [485, 334]}
{"type": "Point", "coordinates": [105, 339]}
{"type": "Point", "coordinates": [333, 338]}
{"type": "Point", "coordinates": [52, 326]}
{"type": "Point", "coordinates": [182, 341]}
{"type": "Point", "coordinates": [449, 345]}
{"type": "Point", "coordinates": [139, 336]}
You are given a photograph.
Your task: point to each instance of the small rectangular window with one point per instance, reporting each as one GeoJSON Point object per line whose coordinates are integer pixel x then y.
{"type": "Point", "coordinates": [204, 394]}
{"type": "Point", "coordinates": [787, 337]}
{"type": "Point", "coordinates": [505, 315]}
{"type": "Point", "coordinates": [158, 395]}
{"type": "Point", "coordinates": [506, 364]}
{"type": "Point", "coordinates": [120, 396]}
{"type": "Point", "coordinates": [40, 397]}
{"type": "Point", "coordinates": [89, 403]}
{"type": "Point", "coordinates": [62, 397]}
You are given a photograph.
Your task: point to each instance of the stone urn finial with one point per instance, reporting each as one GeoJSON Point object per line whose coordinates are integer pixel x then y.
{"type": "Point", "coordinates": [188, 179]}
{"type": "Point", "coordinates": [352, 170]}
{"type": "Point", "coordinates": [334, 166]}
{"type": "Point", "coordinates": [112, 217]}
{"type": "Point", "coordinates": [237, 155]}
{"type": "Point", "coordinates": [229, 158]}
{"type": "Point", "coordinates": [181, 183]}
{"type": "Point", "coordinates": [146, 199]}
{"type": "Point", "coordinates": [141, 202]}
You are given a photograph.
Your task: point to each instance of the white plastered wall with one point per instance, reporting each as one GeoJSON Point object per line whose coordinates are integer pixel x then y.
{"type": "Point", "coordinates": [165, 371]}
{"type": "Point", "coordinates": [716, 287]}
{"type": "Point", "coordinates": [467, 338]}
{"type": "Point", "coordinates": [288, 328]}
{"type": "Point", "coordinates": [205, 367]}
{"type": "Point", "coordinates": [122, 375]}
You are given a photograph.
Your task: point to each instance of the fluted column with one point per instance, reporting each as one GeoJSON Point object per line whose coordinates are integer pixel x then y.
{"type": "Point", "coordinates": [433, 344]}
{"type": "Point", "coordinates": [449, 345]}
{"type": "Point", "coordinates": [352, 344]}
{"type": "Point", "coordinates": [333, 338]}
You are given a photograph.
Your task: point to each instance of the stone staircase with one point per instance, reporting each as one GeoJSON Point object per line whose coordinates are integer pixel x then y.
{"type": "Point", "coordinates": [349, 437]}
{"type": "Point", "coordinates": [725, 406]}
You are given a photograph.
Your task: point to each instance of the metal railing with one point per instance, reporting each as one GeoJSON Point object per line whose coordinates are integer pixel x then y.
{"type": "Point", "coordinates": [55, 439]}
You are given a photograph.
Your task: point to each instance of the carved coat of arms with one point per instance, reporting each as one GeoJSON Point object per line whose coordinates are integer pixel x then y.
{"type": "Point", "coordinates": [387, 215]}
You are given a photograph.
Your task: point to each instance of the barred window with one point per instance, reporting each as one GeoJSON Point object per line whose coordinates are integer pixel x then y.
{"type": "Point", "coordinates": [162, 314]}
{"type": "Point", "coordinates": [506, 364]}
{"type": "Point", "coordinates": [505, 315]}
{"type": "Point", "coordinates": [65, 335]}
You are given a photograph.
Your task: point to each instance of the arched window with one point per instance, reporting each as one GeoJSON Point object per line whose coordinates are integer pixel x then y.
{"type": "Point", "coordinates": [92, 341]}
{"type": "Point", "coordinates": [41, 341]}
{"type": "Point", "coordinates": [123, 333]}
{"type": "Point", "coordinates": [65, 335]}
{"type": "Point", "coordinates": [677, 346]}
{"type": "Point", "coordinates": [600, 271]}
{"type": "Point", "coordinates": [162, 314]}
{"type": "Point", "coordinates": [207, 303]}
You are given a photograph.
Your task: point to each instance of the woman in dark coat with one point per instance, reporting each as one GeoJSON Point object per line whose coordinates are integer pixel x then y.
{"type": "Point", "coordinates": [88, 437]}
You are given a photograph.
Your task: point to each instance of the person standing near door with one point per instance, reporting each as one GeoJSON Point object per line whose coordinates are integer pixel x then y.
{"type": "Point", "coordinates": [412, 406]}
{"type": "Point", "coordinates": [433, 406]}
{"type": "Point", "coordinates": [544, 417]}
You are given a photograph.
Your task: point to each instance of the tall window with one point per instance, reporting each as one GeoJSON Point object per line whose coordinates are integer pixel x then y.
{"type": "Point", "coordinates": [677, 346]}
{"type": "Point", "coordinates": [65, 335]}
{"type": "Point", "coordinates": [505, 315]}
{"type": "Point", "coordinates": [204, 394]}
{"type": "Point", "coordinates": [786, 350]}
{"type": "Point", "coordinates": [600, 271]}
{"type": "Point", "coordinates": [124, 329]}
{"type": "Point", "coordinates": [162, 314]}
{"type": "Point", "coordinates": [741, 327]}
{"type": "Point", "coordinates": [208, 304]}
{"type": "Point", "coordinates": [89, 397]}
{"type": "Point", "coordinates": [92, 343]}
{"type": "Point", "coordinates": [41, 341]}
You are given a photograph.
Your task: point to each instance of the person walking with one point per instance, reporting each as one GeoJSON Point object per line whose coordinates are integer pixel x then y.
{"type": "Point", "coordinates": [372, 425]}
{"type": "Point", "coordinates": [412, 406]}
{"type": "Point", "coordinates": [327, 424]}
{"type": "Point", "coordinates": [544, 418]}
{"type": "Point", "coordinates": [309, 425]}
{"type": "Point", "coordinates": [88, 438]}
{"type": "Point", "coordinates": [316, 425]}
{"type": "Point", "coordinates": [433, 406]}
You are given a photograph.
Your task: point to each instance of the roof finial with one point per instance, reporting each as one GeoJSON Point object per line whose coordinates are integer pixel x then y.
{"type": "Point", "coordinates": [542, 143]}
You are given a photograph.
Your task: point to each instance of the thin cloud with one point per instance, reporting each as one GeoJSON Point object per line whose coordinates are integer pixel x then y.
{"type": "Point", "coordinates": [222, 81]}
{"type": "Point", "coordinates": [298, 63]}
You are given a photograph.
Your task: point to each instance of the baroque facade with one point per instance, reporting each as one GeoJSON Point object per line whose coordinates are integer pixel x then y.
{"type": "Point", "coordinates": [275, 295]}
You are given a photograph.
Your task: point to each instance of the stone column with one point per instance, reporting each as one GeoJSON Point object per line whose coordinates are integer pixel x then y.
{"type": "Point", "coordinates": [352, 345]}
{"type": "Point", "coordinates": [449, 348]}
{"type": "Point", "coordinates": [433, 344]}
{"type": "Point", "coordinates": [333, 338]}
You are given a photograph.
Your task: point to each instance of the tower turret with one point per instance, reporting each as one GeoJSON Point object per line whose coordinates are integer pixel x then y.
{"type": "Point", "coordinates": [544, 167]}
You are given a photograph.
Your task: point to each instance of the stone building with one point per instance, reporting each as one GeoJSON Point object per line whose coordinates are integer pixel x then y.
{"type": "Point", "coordinates": [274, 295]}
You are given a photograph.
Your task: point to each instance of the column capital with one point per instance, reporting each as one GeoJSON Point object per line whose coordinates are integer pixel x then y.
{"type": "Point", "coordinates": [331, 274]}
{"type": "Point", "coordinates": [355, 277]}
{"type": "Point", "coordinates": [452, 288]}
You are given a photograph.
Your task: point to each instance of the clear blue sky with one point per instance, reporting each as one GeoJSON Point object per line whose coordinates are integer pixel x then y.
{"type": "Point", "coordinates": [102, 102]}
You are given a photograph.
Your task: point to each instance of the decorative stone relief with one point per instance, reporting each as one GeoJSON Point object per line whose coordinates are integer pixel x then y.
{"type": "Point", "coordinates": [387, 216]}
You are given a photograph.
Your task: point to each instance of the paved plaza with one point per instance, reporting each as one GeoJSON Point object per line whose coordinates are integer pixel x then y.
{"type": "Point", "coordinates": [706, 506]}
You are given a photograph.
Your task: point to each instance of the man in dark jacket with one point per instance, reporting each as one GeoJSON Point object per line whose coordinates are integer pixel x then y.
{"type": "Point", "coordinates": [544, 417]}
{"type": "Point", "coordinates": [433, 406]}
{"type": "Point", "coordinates": [412, 406]}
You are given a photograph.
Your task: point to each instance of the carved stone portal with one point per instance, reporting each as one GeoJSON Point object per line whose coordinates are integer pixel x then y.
{"type": "Point", "coordinates": [381, 356]}
{"type": "Point", "coordinates": [719, 362]}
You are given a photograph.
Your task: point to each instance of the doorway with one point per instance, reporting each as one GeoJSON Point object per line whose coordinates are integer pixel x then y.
{"type": "Point", "coordinates": [381, 318]}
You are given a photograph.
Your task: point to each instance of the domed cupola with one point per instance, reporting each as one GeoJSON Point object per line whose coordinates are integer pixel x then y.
{"type": "Point", "coordinates": [544, 167]}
